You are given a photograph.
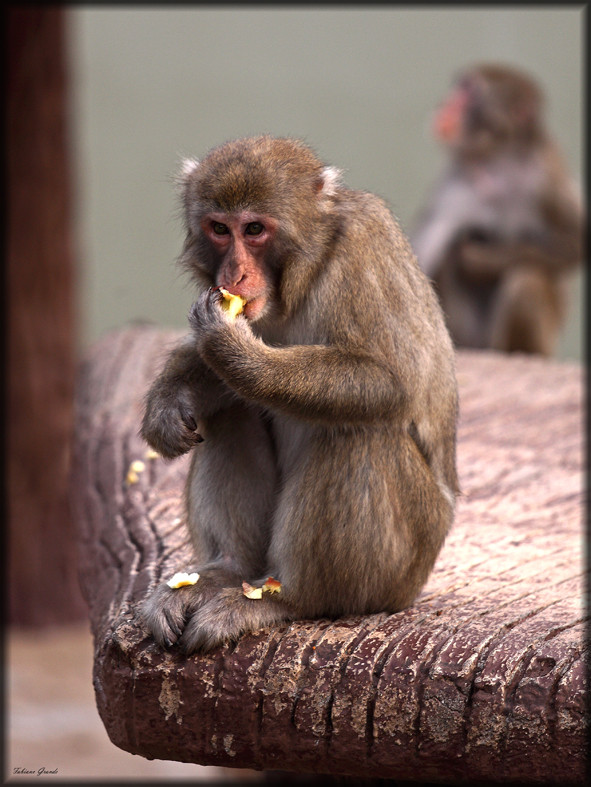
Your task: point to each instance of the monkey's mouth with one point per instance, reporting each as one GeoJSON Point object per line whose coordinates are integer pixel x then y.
{"type": "Point", "coordinates": [254, 305]}
{"type": "Point", "coordinates": [232, 304]}
{"type": "Point", "coordinates": [254, 308]}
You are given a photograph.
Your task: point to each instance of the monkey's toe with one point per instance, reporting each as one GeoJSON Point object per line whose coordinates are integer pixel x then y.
{"type": "Point", "coordinates": [226, 617]}
{"type": "Point", "coordinates": [164, 612]}
{"type": "Point", "coordinates": [212, 624]}
{"type": "Point", "coordinates": [197, 638]}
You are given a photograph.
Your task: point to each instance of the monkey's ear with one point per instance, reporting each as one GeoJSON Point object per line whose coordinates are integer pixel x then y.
{"type": "Point", "coordinates": [329, 181]}
{"type": "Point", "coordinates": [181, 179]}
{"type": "Point", "coordinates": [188, 166]}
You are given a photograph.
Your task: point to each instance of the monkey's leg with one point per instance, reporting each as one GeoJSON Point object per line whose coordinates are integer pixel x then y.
{"type": "Point", "coordinates": [231, 489]}
{"type": "Point", "coordinates": [360, 523]}
{"type": "Point", "coordinates": [318, 551]}
{"type": "Point", "coordinates": [528, 313]}
{"type": "Point", "coordinates": [229, 497]}
{"type": "Point", "coordinates": [339, 544]}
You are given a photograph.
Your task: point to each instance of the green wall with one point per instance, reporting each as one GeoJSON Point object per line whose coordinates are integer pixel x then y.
{"type": "Point", "coordinates": [359, 83]}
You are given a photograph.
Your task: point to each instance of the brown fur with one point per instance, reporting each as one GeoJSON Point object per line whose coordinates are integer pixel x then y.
{"type": "Point", "coordinates": [328, 419]}
{"type": "Point", "coordinates": [505, 209]}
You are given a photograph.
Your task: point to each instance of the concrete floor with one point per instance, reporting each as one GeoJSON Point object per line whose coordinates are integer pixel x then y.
{"type": "Point", "coordinates": [51, 720]}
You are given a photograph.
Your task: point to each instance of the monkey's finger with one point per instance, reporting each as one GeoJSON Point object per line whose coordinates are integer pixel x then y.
{"type": "Point", "coordinates": [175, 623]}
{"type": "Point", "coordinates": [190, 424]}
{"type": "Point", "coordinates": [188, 419]}
{"type": "Point", "coordinates": [214, 303]}
{"type": "Point", "coordinates": [193, 316]}
{"type": "Point", "coordinates": [215, 294]}
{"type": "Point", "coordinates": [199, 308]}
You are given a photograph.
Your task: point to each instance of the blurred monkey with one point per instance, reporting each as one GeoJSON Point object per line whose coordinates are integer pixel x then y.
{"type": "Point", "coordinates": [327, 408]}
{"type": "Point", "coordinates": [502, 231]}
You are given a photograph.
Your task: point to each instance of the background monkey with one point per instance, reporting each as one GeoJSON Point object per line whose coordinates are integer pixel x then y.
{"type": "Point", "coordinates": [503, 228]}
{"type": "Point", "coordinates": [327, 409]}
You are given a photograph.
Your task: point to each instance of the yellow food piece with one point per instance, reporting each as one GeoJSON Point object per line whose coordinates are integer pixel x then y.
{"type": "Point", "coordinates": [233, 304]}
{"type": "Point", "coordinates": [251, 592]}
{"type": "Point", "coordinates": [151, 454]}
{"type": "Point", "coordinates": [181, 579]}
{"type": "Point", "coordinates": [135, 468]}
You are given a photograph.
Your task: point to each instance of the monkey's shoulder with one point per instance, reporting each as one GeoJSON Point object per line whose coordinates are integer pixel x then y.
{"type": "Point", "coordinates": [363, 209]}
{"type": "Point", "coordinates": [370, 230]}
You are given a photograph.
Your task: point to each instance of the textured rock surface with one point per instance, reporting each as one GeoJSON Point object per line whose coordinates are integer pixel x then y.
{"type": "Point", "coordinates": [482, 679]}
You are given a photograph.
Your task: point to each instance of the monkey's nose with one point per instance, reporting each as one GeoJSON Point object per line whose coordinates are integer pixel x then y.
{"type": "Point", "coordinates": [235, 276]}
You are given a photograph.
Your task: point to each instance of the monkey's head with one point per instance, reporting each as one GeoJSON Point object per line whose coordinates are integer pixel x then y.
{"type": "Point", "coordinates": [255, 209]}
{"type": "Point", "coordinates": [490, 107]}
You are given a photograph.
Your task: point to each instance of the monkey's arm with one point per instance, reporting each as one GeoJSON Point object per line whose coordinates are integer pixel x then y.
{"type": "Point", "coordinates": [311, 381]}
{"type": "Point", "coordinates": [430, 243]}
{"type": "Point", "coordinates": [186, 391]}
{"type": "Point", "coordinates": [481, 263]}
{"type": "Point", "coordinates": [316, 382]}
{"type": "Point", "coordinates": [437, 227]}
{"type": "Point", "coordinates": [557, 249]}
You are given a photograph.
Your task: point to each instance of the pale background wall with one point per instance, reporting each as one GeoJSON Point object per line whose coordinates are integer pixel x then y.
{"type": "Point", "coordinates": [152, 84]}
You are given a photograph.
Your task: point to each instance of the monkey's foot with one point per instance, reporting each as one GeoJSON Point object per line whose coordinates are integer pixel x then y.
{"type": "Point", "coordinates": [167, 610]}
{"type": "Point", "coordinates": [229, 615]}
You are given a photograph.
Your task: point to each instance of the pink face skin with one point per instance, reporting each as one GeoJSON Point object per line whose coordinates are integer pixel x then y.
{"type": "Point", "coordinates": [448, 122]}
{"type": "Point", "coordinates": [242, 242]}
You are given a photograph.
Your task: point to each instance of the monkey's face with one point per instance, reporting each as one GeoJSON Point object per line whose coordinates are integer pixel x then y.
{"type": "Point", "coordinates": [240, 249]}
{"type": "Point", "coordinates": [259, 216]}
{"type": "Point", "coordinates": [466, 115]}
{"type": "Point", "coordinates": [448, 119]}
{"type": "Point", "coordinates": [489, 106]}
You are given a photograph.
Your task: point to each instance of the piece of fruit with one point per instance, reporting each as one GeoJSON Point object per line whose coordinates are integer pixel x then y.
{"type": "Point", "coordinates": [272, 586]}
{"type": "Point", "coordinates": [135, 468]}
{"type": "Point", "coordinates": [251, 592]}
{"type": "Point", "coordinates": [233, 304]}
{"type": "Point", "coordinates": [181, 579]}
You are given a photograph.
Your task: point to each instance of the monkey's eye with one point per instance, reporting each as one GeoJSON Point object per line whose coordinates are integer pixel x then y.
{"type": "Point", "coordinates": [254, 228]}
{"type": "Point", "coordinates": [219, 228]}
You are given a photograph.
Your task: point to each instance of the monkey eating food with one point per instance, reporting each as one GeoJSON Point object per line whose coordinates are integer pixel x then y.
{"type": "Point", "coordinates": [502, 231]}
{"type": "Point", "coordinates": [326, 409]}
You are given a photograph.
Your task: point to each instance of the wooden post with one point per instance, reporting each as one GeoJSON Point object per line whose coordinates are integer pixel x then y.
{"type": "Point", "coordinates": [43, 585]}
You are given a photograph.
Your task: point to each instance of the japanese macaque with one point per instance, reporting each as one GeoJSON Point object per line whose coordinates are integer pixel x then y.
{"type": "Point", "coordinates": [503, 229]}
{"type": "Point", "coordinates": [322, 418]}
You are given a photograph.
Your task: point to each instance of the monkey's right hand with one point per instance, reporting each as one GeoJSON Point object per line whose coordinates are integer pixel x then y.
{"type": "Point", "coordinates": [169, 423]}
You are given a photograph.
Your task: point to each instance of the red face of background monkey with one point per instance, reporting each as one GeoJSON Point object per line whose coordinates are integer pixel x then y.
{"type": "Point", "coordinates": [489, 106]}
